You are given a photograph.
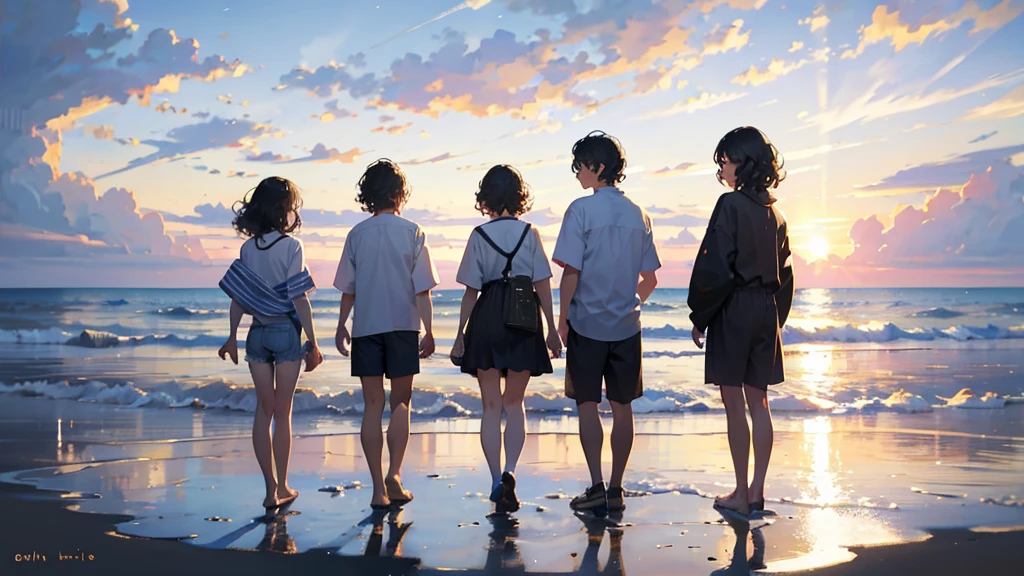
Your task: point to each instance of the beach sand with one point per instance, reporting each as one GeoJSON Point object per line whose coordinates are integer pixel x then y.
{"type": "Point", "coordinates": [135, 500]}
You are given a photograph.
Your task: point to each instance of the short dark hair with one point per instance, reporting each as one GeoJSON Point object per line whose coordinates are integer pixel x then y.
{"type": "Point", "coordinates": [759, 164]}
{"type": "Point", "coordinates": [503, 188]}
{"type": "Point", "coordinates": [599, 148]}
{"type": "Point", "coordinates": [382, 187]}
{"type": "Point", "coordinates": [267, 210]}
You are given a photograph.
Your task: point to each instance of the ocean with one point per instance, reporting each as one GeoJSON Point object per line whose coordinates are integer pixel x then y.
{"type": "Point", "coordinates": [847, 351]}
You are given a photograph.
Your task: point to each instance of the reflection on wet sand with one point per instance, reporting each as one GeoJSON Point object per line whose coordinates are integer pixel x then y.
{"type": "Point", "coordinates": [596, 529]}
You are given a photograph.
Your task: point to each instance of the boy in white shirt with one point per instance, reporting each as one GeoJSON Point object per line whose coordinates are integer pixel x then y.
{"type": "Point", "coordinates": [385, 267]}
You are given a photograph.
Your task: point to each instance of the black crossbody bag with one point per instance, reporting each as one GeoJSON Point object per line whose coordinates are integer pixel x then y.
{"type": "Point", "coordinates": [520, 306]}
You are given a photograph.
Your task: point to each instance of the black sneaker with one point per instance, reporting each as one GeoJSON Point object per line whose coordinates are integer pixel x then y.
{"type": "Point", "coordinates": [509, 500]}
{"type": "Point", "coordinates": [616, 500]}
{"type": "Point", "coordinates": [594, 500]}
{"type": "Point", "coordinates": [497, 492]}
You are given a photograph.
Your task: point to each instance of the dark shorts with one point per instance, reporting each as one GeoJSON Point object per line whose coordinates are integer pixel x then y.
{"type": "Point", "coordinates": [588, 361]}
{"type": "Point", "coordinates": [744, 342]}
{"type": "Point", "coordinates": [273, 343]}
{"type": "Point", "coordinates": [391, 354]}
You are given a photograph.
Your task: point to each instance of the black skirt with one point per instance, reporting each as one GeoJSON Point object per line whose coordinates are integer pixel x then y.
{"type": "Point", "coordinates": [490, 344]}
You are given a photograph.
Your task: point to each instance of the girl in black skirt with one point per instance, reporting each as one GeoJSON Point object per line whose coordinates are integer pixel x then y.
{"type": "Point", "coordinates": [501, 338]}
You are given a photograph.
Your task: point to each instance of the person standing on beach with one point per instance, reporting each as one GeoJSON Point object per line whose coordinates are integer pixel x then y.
{"type": "Point", "coordinates": [741, 292]}
{"type": "Point", "coordinates": [606, 248]}
{"type": "Point", "coordinates": [385, 275]}
{"type": "Point", "coordinates": [503, 258]}
{"type": "Point", "coordinates": [270, 282]}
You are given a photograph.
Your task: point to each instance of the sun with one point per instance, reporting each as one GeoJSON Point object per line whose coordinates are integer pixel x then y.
{"type": "Point", "coordinates": [818, 248]}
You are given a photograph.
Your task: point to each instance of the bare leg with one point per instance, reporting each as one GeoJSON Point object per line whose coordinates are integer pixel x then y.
{"type": "Point", "coordinates": [763, 437]}
{"type": "Point", "coordinates": [263, 380]}
{"type": "Point", "coordinates": [739, 446]}
{"type": "Point", "coordinates": [286, 378]}
{"type": "Point", "coordinates": [490, 421]}
{"type": "Point", "coordinates": [371, 435]}
{"type": "Point", "coordinates": [622, 440]}
{"type": "Point", "coordinates": [515, 417]}
{"type": "Point", "coordinates": [398, 432]}
{"type": "Point", "coordinates": [592, 439]}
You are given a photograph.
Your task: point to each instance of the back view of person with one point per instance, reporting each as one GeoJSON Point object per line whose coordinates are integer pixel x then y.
{"type": "Point", "coordinates": [386, 274]}
{"type": "Point", "coordinates": [741, 292]}
{"type": "Point", "coordinates": [606, 245]}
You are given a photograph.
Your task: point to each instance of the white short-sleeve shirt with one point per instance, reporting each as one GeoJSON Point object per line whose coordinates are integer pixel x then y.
{"type": "Point", "coordinates": [284, 258]}
{"type": "Point", "coordinates": [609, 240]}
{"type": "Point", "coordinates": [481, 263]}
{"type": "Point", "coordinates": [385, 264]}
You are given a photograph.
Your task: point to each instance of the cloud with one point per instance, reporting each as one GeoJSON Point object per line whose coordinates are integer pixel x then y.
{"type": "Point", "coordinates": [332, 112]}
{"type": "Point", "coordinates": [984, 137]}
{"type": "Point", "coordinates": [683, 220]}
{"type": "Point", "coordinates": [817, 22]}
{"type": "Point", "coordinates": [777, 68]}
{"type": "Point", "coordinates": [947, 172]}
{"type": "Point", "coordinates": [545, 217]}
{"type": "Point", "coordinates": [684, 238]}
{"type": "Point", "coordinates": [100, 132]}
{"type": "Point", "coordinates": [1009, 106]}
{"type": "Point", "coordinates": [693, 104]}
{"type": "Point", "coordinates": [321, 154]}
{"type": "Point", "coordinates": [435, 159]}
{"type": "Point", "coordinates": [797, 46]}
{"type": "Point", "coordinates": [165, 106]}
{"type": "Point", "coordinates": [201, 115]}
{"type": "Point", "coordinates": [192, 138]}
{"type": "Point", "coordinates": [219, 215]}
{"type": "Point", "coordinates": [394, 129]}
{"type": "Point", "coordinates": [685, 168]}
{"type": "Point", "coordinates": [242, 174]}
{"type": "Point", "coordinates": [887, 26]}
{"type": "Point", "coordinates": [505, 75]}
{"type": "Point", "coordinates": [870, 105]}
{"type": "Point", "coordinates": [256, 156]}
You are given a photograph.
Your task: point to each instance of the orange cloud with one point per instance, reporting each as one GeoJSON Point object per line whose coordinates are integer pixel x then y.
{"type": "Point", "coordinates": [1008, 106]}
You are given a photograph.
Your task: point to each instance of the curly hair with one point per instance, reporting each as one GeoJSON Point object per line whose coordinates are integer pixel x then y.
{"type": "Point", "coordinates": [599, 148]}
{"type": "Point", "coordinates": [501, 189]}
{"type": "Point", "coordinates": [759, 166]}
{"type": "Point", "coordinates": [268, 209]}
{"type": "Point", "coordinates": [382, 187]}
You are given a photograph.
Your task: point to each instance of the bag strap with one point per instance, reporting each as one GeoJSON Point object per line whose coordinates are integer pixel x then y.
{"type": "Point", "coordinates": [271, 245]}
{"type": "Point", "coordinates": [509, 255]}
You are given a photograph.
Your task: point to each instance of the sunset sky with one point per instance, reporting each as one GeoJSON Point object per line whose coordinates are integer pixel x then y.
{"type": "Point", "coordinates": [901, 123]}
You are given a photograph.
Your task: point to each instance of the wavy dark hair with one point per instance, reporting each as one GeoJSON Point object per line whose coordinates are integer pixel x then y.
{"type": "Point", "coordinates": [501, 189]}
{"type": "Point", "coordinates": [382, 187]}
{"type": "Point", "coordinates": [599, 148]}
{"type": "Point", "coordinates": [268, 208]}
{"type": "Point", "coordinates": [759, 166]}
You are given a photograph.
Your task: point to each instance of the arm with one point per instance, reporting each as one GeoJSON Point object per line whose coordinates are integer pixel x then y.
{"type": "Point", "coordinates": [784, 297]}
{"type": "Point", "coordinates": [230, 348]}
{"type": "Point", "coordinates": [543, 289]}
{"type": "Point", "coordinates": [425, 306]}
{"type": "Point", "coordinates": [469, 298]}
{"type": "Point", "coordinates": [648, 281]}
{"type": "Point", "coordinates": [305, 312]}
{"type": "Point", "coordinates": [341, 336]}
{"type": "Point", "coordinates": [566, 291]}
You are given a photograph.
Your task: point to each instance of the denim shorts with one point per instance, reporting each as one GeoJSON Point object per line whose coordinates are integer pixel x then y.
{"type": "Point", "coordinates": [273, 343]}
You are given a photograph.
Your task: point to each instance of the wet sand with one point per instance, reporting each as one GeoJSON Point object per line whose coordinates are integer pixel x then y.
{"type": "Point", "coordinates": [837, 485]}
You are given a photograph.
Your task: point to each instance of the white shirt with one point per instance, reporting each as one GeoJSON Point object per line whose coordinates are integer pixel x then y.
{"type": "Point", "coordinates": [274, 265]}
{"type": "Point", "coordinates": [481, 263]}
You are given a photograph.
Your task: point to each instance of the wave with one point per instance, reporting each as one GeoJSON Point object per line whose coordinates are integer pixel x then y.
{"type": "Point", "coordinates": [938, 313]}
{"type": "Point", "coordinates": [1008, 309]}
{"type": "Point", "coordinates": [182, 312]}
{"type": "Point", "coordinates": [119, 302]}
{"type": "Point", "coordinates": [661, 307]}
{"type": "Point", "coordinates": [853, 334]}
{"type": "Point", "coordinates": [101, 339]}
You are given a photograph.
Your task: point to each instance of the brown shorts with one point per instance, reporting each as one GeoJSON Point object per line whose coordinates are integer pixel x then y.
{"type": "Point", "coordinates": [589, 361]}
{"type": "Point", "coordinates": [744, 342]}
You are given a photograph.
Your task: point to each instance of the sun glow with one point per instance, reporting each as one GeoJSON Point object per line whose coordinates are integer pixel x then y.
{"type": "Point", "coordinates": [818, 248]}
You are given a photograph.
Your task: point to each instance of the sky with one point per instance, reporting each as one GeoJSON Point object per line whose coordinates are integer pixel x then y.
{"type": "Point", "coordinates": [129, 129]}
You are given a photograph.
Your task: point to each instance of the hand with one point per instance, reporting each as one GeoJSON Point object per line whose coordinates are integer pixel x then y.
{"type": "Point", "coordinates": [698, 338]}
{"type": "Point", "coordinates": [342, 340]}
{"type": "Point", "coordinates": [427, 345]}
{"type": "Point", "coordinates": [314, 358]}
{"type": "Point", "coordinates": [563, 330]}
{"type": "Point", "coordinates": [230, 348]}
{"type": "Point", "coordinates": [554, 344]}
{"type": "Point", "coordinates": [459, 348]}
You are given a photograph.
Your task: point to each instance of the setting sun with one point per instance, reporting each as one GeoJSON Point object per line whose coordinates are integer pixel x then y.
{"type": "Point", "coordinates": [818, 248]}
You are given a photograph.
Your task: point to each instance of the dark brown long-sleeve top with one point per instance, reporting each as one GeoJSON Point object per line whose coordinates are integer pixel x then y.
{"type": "Point", "coordinates": [746, 245]}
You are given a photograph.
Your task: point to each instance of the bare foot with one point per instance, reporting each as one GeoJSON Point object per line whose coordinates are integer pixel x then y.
{"type": "Point", "coordinates": [733, 502]}
{"type": "Point", "coordinates": [379, 501]}
{"type": "Point", "coordinates": [286, 496]}
{"type": "Point", "coordinates": [270, 502]}
{"type": "Point", "coordinates": [396, 493]}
